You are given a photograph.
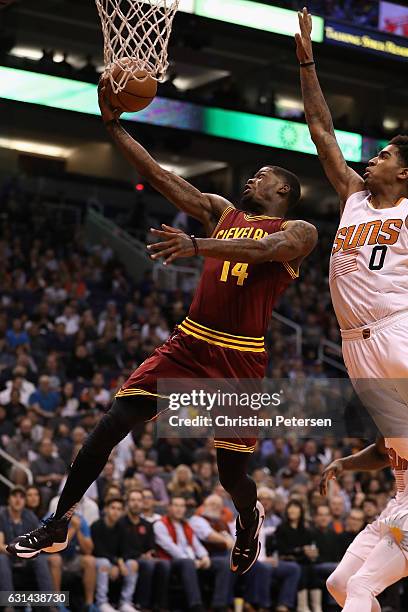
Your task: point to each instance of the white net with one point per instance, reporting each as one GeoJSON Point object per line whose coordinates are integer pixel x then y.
{"type": "Point", "coordinates": [136, 35]}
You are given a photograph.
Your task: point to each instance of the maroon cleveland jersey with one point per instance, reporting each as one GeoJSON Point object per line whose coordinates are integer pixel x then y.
{"type": "Point", "coordinates": [222, 337]}
{"type": "Point", "coordinates": [237, 299]}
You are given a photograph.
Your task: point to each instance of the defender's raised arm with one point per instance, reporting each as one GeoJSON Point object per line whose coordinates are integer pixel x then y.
{"type": "Point", "coordinates": [343, 178]}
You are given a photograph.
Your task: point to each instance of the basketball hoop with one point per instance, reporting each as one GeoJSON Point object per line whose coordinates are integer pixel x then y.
{"type": "Point", "coordinates": [136, 36]}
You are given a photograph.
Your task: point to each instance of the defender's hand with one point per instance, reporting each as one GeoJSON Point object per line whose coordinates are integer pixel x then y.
{"type": "Point", "coordinates": [108, 113]}
{"type": "Point", "coordinates": [332, 472]}
{"type": "Point", "coordinates": [304, 50]}
{"type": "Point", "coordinates": [175, 244]}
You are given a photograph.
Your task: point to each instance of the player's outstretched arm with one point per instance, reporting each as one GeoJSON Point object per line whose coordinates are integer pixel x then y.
{"type": "Point", "coordinates": [294, 242]}
{"type": "Point", "coordinates": [205, 207]}
{"type": "Point", "coordinates": [374, 457]}
{"type": "Point", "coordinates": [343, 178]}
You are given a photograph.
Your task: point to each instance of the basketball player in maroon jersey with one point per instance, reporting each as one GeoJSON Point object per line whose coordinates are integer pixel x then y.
{"type": "Point", "coordinates": [252, 255]}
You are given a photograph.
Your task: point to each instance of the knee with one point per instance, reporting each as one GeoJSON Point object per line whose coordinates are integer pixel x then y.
{"type": "Point", "coordinates": [336, 586]}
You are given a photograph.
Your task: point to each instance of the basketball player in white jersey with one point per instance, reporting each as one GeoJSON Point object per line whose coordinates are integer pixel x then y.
{"type": "Point", "coordinates": [369, 288]}
{"type": "Point", "coordinates": [378, 555]}
{"type": "Point", "coordinates": [369, 261]}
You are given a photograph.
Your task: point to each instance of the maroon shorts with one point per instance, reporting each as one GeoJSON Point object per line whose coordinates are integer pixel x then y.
{"type": "Point", "coordinates": [187, 357]}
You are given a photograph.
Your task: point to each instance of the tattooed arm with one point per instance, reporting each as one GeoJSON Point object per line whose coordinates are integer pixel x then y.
{"type": "Point", "coordinates": [295, 242]}
{"type": "Point", "coordinates": [206, 207]}
{"type": "Point", "coordinates": [343, 178]}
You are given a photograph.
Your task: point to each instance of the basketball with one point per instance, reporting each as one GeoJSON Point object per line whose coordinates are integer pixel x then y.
{"type": "Point", "coordinates": [138, 93]}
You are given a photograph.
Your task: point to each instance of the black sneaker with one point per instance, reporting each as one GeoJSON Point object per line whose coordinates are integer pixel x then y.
{"type": "Point", "coordinates": [52, 537]}
{"type": "Point", "coordinates": [247, 545]}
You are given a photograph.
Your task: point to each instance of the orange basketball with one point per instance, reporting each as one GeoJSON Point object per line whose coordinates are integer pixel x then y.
{"type": "Point", "coordinates": [137, 94]}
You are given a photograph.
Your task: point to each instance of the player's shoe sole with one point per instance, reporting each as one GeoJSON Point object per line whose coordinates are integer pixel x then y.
{"type": "Point", "coordinates": [247, 545]}
{"type": "Point", "coordinates": [52, 537]}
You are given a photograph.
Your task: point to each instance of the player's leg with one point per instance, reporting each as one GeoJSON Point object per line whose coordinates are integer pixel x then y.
{"type": "Point", "coordinates": [385, 565]}
{"type": "Point", "coordinates": [337, 581]}
{"type": "Point", "coordinates": [354, 557]}
{"type": "Point", "coordinates": [125, 414]}
{"type": "Point", "coordinates": [233, 475]}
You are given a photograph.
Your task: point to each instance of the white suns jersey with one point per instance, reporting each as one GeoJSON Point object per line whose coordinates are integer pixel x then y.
{"type": "Point", "coordinates": [369, 262]}
{"type": "Point", "coordinates": [399, 467]}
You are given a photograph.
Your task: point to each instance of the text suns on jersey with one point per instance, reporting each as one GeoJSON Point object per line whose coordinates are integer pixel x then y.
{"type": "Point", "coordinates": [378, 233]}
{"type": "Point", "coordinates": [371, 232]}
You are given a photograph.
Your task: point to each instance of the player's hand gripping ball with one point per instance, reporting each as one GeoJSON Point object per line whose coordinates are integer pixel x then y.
{"type": "Point", "coordinates": [138, 93]}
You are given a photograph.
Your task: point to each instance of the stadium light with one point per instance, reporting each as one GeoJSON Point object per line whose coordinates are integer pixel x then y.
{"type": "Point", "coordinates": [70, 95]}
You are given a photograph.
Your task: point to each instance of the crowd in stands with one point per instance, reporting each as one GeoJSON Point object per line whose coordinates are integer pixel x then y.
{"type": "Point", "coordinates": [155, 530]}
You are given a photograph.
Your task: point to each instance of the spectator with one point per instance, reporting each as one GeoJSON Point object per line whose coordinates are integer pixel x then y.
{"type": "Point", "coordinates": [294, 542]}
{"type": "Point", "coordinates": [327, 542]}
{"type": "Point", "coordinates": [80, 366]}
{"type": "Point", "coordinates": [44, 401]}
{"type": "Point", "coordinates": [34, 501]}
{"type": "Point", "coordinates": [16, 335]}
{"type": "Point", "coordinates": [146, 443]}
{"type": "Point", "coordinates": [106, 536]}
{"type": "Point", "coordinates": [15, 409]}
{"type": "Point", "coordinates": [63, 441]}
{"type": "Point", "coordinates": [173, 452]}
{"type": "Point", "coordinates": [178, 543]}
{"type": "Point", "coordinates": [59, 341]}
{"type": "Point", "coordinates": [69, 403]}
{"type": "Point", "coordinates": [100, 394]}
{"type": "Point", "coordinates": [15, 520]}
{"type": "Point", "coordinates": [205, 477]}
{"type": "Point", "coordinates": [310, 460]}
{"type": "Point", "coordinates": [149, 503]}
{"type": "Point", "coordinates": [271, 571]}
{"type": "Point", "coordinates": [20, 383]}
{"type": "Point", "coordinates": [183, 485]}
{"type": "Point", "coordinates": [48, 470]}
{"type": "Point", "coordinates": [77, 559]}
{"type": "Point", "coordinates": [151, 480]}
{"type": "Point", "coordinates": [70, 319]}
{"type": "Point", "coordinates": [139, 545]}
{"type": "Point", "coordinates": [23, 444]}
{"type": "Point", "coordinates": [215, 534]}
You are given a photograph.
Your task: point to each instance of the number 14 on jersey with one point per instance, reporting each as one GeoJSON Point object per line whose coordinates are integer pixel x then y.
{"type": "Point", "coordinates": [239, 270]}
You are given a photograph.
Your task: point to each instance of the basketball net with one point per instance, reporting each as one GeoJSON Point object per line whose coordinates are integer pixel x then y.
{"type": "Point", "coordinates": [136, 36]}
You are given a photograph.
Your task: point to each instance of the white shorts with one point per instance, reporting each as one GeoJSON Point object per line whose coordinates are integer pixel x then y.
{"type": "Point", "coordinates": [376, 357]}
{"type": "Point", "coordinates": [366, 540]}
